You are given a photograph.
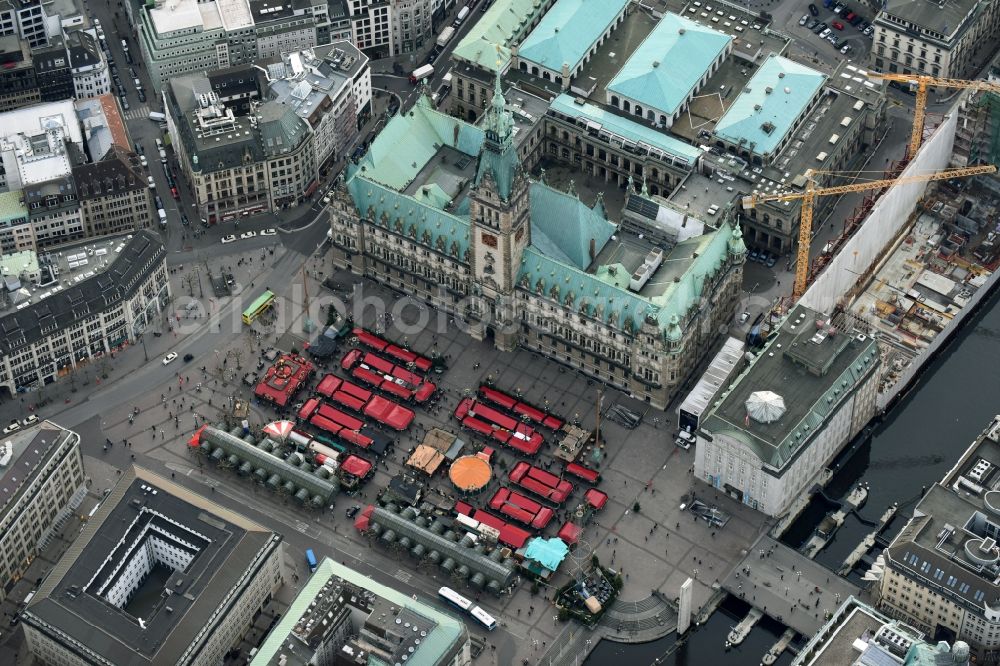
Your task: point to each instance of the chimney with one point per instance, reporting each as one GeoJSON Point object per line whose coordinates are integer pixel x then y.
{"type": "Point", "coordinates": [593, 249]}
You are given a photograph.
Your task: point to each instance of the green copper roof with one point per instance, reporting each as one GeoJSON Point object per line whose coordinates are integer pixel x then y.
{"type": "Point", "coordinates": [767, 108]}
{"type": "Point", "coordinates": [438, 642]}
{"type": "Point", "coordinates": [409, 140]}
{"type": "Point", "coordinates": [567, 32]}
{"type": "Point", "coordinates": [12, 206]}
{"type": "Point", "coordinates": [489, 39]}
{"type": "Point", "coordinates": [498, 160]}
{"type": "Point", "coordinates": [445, 232]}
{"type": "Point", "coordinates": [605, 121]}
{"type": "Point", "coordinates": [562, 226]}
{"type": "Point", "coordinates": [669, 63]}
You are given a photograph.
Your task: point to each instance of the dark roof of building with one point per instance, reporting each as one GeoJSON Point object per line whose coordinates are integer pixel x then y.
{"type": "Point", "coordinates": [13, 50]}
{"type": "Point", "coordinates": [83, 49]}
{"type": "Point", "coordinates": [234, 80]}
{"type": "Point", "coordinates": [139, 257]}
{"type": "Point", "coordinates": [944, 17]}
{"type": "Point", "coordinates": [270, 10]}
{"type": "Point", "coordinates": [119, 171]}
{"type": "Point", "coordinates": [76, 605]}
{"type": "Point", "coordinates": [29, 449]}
{"type": "Point", "coordinates": [50, 58]}
{"type": "Point", "coordinates": [39, 192]}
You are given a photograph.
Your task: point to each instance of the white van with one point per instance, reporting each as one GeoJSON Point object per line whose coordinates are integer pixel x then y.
{"type": "Point", "coordinates": [157, 117]}
{"type": "Point", "coordinates": [163, 216]}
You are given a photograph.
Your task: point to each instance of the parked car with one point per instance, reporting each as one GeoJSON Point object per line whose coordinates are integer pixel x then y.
{"type": "Point", "coordinates": [868, 31]}
{"type": "Point", "coordinates": [819, 27]}
{"type": "Point", "coordinates": [31, 420]}
{"type": "Point", "coordinates": [837, 25]}
{"type": "Point", "coordinates": [353, 511]}
{"type": "Point", "coordinates": [825, 33]}
{"type": "Point", "coordinates": [141, 95]}
{"type": "Point", "coordinates": [124, 103]}
{"type": "Point", "coordinates": [13, 427]}
{"type": "Point", "coordinates": [152, 183]}
{"type": "Point", "coordinates": [248, 234]}
{"type": "Point", "coordinates": [228, 239]}
{"type": "Point", "coordinates": [268, 232]}
{"type": "Point", "coordinates": [159, 201]}
{"type": "Point", "coordinates": [744, 317]}
{"type": "Point", "coordinates": [813, 23]}
{"type": "Point", "coordinates": [813, 9]}
{"type": "Point", "coordinates": [845, 48]}
{"type": "Point", "coordinates": [754, 255]}
{"type": "Point", "coordinates": [143, 161]}
{"type": "Point", "coordinates": [804, 19]}
{"type": "Point", "coordinates": [771, 260]}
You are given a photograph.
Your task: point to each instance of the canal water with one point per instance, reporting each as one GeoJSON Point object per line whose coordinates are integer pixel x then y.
{"type": "Point", "coordinates": [910, 449]}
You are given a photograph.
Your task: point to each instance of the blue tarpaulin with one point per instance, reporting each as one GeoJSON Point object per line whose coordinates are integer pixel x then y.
{"type": "Point", "coordinates": [547, 552]}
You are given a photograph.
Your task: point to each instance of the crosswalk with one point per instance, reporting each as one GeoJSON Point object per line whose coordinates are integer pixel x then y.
{"type": "Point", "coordinates": [137, 112]}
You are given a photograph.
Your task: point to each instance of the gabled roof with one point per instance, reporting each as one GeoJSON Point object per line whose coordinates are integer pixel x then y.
{"type": "Point", "coordinates": [446, 232]}
{"type": "Point", "coordinates": [488, 41]}
{"type": "Point", "coordinates": [669, 63]}
{"type": "Point", "coordinates": [568, 31]}
{"type": "Point", "coordinates": [768, 107]}
{"type": "Point", "coordinates": [409, 140]}
{"type": "Point", "coordinates": [562, 226]}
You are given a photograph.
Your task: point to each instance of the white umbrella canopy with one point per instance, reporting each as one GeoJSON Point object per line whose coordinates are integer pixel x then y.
{"type": "Point", "coordinates": [765, 406]}
{"type": "Point", "coordinates": [279, 429]}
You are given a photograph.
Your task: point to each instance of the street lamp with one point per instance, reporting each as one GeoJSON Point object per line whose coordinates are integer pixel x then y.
{"type": "Point", "coordinates": [142, 339]}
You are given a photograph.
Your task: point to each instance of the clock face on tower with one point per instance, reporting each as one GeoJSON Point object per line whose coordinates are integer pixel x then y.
{"type": "Point", "coordinates": [489, 240]}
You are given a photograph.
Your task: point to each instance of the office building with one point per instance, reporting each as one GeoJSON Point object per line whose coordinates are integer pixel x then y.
{"type": "Point", "coordinates": [89, 69]}
{"type": "Point", "coordinates": [159, 575]}
{"type": "Point", "coordinates": [330, 88]}
{"type": "Point", "coordinates": [858, 635]}
{"type": "Point", "coordinates": [28, 20]}
{"type": "Point", "coordinates": [114, 194]}
{"type": "Point", "coordinates": [91, 299]}
{"type": "Point", "coordinates": [412, 24]}
{"type": "Point", "coordinates": [940, 574]}
{"type": "Point", "coordinates": [779, 424]}
{"type": "Point", "coordinates": [444, 211]}
{"type": "Point", "coordinates": [344, 617]}
{"type": "Point", "coordinates": [239, 164]}
{"type": "Point", "coordinates": [943, 39]}
{"type": "Point", "coordinates": [18, 82]}
{"type": "Point", "coordinates": [371, 27]}
{"type": "Point", "coordinates": [41, 482]}
{"type": "Point", "coordinates": [179, 37]}
{"type": "Point", "coordinates": [54, 72]}
{"type": "Point", "coordinates": [16, 233]}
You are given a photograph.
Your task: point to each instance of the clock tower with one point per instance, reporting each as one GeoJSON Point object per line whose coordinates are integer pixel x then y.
{"type": "Point", "coordinates": [500, 226]}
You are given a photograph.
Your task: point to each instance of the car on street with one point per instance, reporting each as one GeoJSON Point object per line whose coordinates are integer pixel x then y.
{"type": "Point", "coordinates": [139, 149]}
{"type": "Point", "coordinates": [188, 358]}
{"type": "Point", "coordinates": [152, 183]}
{"type": "Point", "coordinates": [764, 256]}
{"type": "Point", "coordinates": [804, 19]}
{"type": "Point", "coordinates": [353, 511]}
{"type": "Point", "coordinates": [170, 358]}
{"type": "Point", "coordinates": [744, 317]}
{"type": "Point", "coordinates": [813, 9]}
{"type": "Point", "coordinates": [174, 193]}
{"type": "Point", "coordinates": [845, 48]}
{"type": "Point", "coordinates": [228, 239]}
{"type": "Point", "coordinates": [248, 234]}
{"type": "Point", "coordinates": [771, 260]}
{"type": "Point", "coordinates": [141, 95]}
{"type": "Point", "coordinates": [184, 219]}
{"type": "Point", "coordinates": [754, 255]}
{"type": "Point", "coordinates": [13, 427]}
{"type": "Point", "coordinates": [124, 103]}
{"type": "Point", "coordinates": [268, 232]}
{"type": "Point", "coordinates": [159, 201]}
{"type": "Point", "coordinates": [868, 31]}
{"type": "Point", "coordinates": [143, 161]}
{"type": "Point", "coordinates": [31, 420]}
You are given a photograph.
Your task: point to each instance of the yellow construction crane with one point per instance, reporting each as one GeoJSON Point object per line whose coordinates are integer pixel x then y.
{"type": "Point", "coordinates": [921, 82]}
{"type": "Point", "coordinates": [808, 199]}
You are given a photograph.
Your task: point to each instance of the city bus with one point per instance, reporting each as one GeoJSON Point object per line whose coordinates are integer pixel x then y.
{"type": "Point", "coordinates": [455, 599]}
{"type": "Point", "coordinates": [260, 304]}
{"type": "Point", "coordinates": [483, 618]}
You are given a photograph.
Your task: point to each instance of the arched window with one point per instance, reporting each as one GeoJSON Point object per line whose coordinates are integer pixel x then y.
{"type": "Point", "coordinates": [663, 120]}
{"type": "Point", "coordinates": [534, 71]}
{"type": "Point", "coordinates": [523, 66]}
{"type": "Point", "coordinates": [626, 107]}
{"type": "Point", "coordinates": [651, 115]}
{"type": "Point", "coordinates": [614, 101]}
{"type": "Point", "coordinates": [638, 110]}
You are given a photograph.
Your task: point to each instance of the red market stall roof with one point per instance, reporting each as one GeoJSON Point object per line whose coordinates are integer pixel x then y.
{"type": "Point", "coordinates": [356, 466]}
{"type": "Point", "coordinates": [585, 473]}
{"type": "Point", "coordinates": [493, 416]}
{"type": "Point", "coordinates": [376, 363]}
{"type": "Point", "coordinates": [339, 417]}
{"type": "Point", "coordinates": [369, 340]}
{"type": "Point", "coordinates": [307, 410]}
{"type": "Point", "coordinates": [328, 385]}
{"type": "Point", "coordinates": [404, 355]}
{"type": "Point", "coordinates": [367, 376]}
{"type": "Point", "coordinates": [525, 410]}
{"type": "Point", "coordinates": [389, 413]}
{"type": "Point", "coordinates": [510, 535]}
{"type": "Point", "coordinates": [350, 358]}
{"type": "Point", "coordinates": [570, 533]}
{"type": "Point", "coordinates": [395, 389]}
{"type": "Point", "coordinates": [356, 391]}
{"type": "Point", "coordinates": [460, 507]}
{"type": "Point", "coordinates": [596, 498]}
{"type": "Point", "coordinates": [475, 424]}
{"type": "Point", "coordinates": [348, 400]}
{"type": "Point", "coordinates": [497, 397]}
{"type": "Point", "coordinates": [195, 440]}
{"type": "Point", "coordinates": [425, 391]}
{"type": "Point", "coordinates": [284, 379]}
{"type": "Point", "coordinates": [363, 519]}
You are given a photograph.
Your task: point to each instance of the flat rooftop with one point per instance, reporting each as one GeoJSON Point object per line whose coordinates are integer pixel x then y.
{"type": "Point", "coordinates": [858, 634]}
{"type": "Point", "coordinates": [944, 18]}
{"type": "Point", "coordinates": [812, 368]}
{"type": "Point", "coordinates": [418, 632]}
{"type": "Point", "coordinates": [180, 15]}
{"type": "Point", "coordinates": [23, 453]}
{"type": "Point", "coordinates": [87, 595]}
{"type": "Point", "coordinates": [951, 539]}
